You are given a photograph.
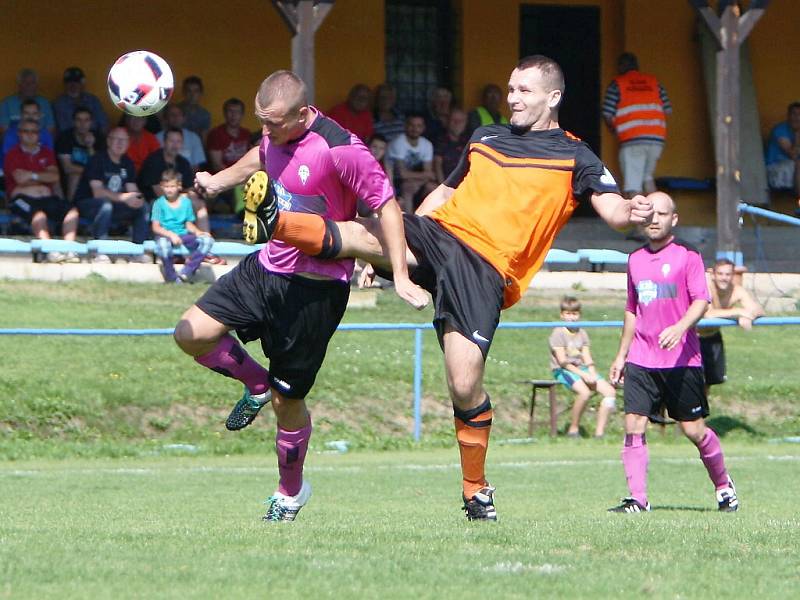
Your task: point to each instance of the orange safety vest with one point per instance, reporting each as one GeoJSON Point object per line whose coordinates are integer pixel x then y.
{"type": "Point", "coordinates": [640, 112]}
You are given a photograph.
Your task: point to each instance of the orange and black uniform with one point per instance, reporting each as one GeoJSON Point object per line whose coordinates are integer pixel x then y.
{"type": "Point", "coordinates": [514, 191]}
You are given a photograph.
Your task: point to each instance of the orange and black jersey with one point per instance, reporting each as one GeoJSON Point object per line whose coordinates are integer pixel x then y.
{"type": "Point", "coordinates": [514, 191]}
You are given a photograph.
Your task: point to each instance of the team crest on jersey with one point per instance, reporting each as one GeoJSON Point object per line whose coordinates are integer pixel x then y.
{"type": "Point", "coordinates": [647, 291]}
{"type": "Point", "coordinates": [665, 269]}
{"type": "Point", "coordinates": [303, 173]}
{"type": "Point", "coordinates": [284, 197]}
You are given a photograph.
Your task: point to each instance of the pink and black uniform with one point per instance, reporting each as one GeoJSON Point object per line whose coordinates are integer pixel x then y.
{"type": "Point", "coordinates": [662, 285]}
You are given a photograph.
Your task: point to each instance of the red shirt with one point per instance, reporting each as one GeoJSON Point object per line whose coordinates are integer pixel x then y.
{"type": "Point", "coordinates": [17, 158]}
{"type": "Point", "coordinates": [142, 148]}
{"type": "Point", "coordinates": [232, 147]}
{"type": "Point", "coordinates": [359, 123]}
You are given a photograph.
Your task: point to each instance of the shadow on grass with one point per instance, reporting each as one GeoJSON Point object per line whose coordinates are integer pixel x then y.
{"type": "Point", "coordinates": [724, 425]}
{"type": "Point", "coordinates": [684, 508]}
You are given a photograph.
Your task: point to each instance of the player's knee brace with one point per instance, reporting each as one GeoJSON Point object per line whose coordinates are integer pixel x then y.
{"type": "Point", "coordinates": [331, 242]}
{"type": "Point", "coordinates": [467, 416]}
{"type": "Point", "coordinates": [609, 402]}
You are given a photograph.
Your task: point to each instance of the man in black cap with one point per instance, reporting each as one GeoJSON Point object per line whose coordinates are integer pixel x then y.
{"type": "Point", "coordinates": [74, 96]}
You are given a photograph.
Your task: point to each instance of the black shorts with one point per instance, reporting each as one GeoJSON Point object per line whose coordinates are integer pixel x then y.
{"type": "Point", "coordinates": [25, 206]}
{"type": "Point", "coordinates": [713, 351]}
{"type": "Point", "coordinates": [294, 317]}
{"type": "Point", "coordinates": [467, 291]}
{"type": "Point", "coordinates": [680, 389]}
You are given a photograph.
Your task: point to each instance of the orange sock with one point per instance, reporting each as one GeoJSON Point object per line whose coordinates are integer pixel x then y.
{"type": "Point", "coordinates": [472, 432]}
{"type": "Point", "coordinates": [311, 234]}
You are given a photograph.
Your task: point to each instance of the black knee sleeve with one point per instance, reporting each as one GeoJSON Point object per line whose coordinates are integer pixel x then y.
{"type": "Point", "coordinates": [467, 415]}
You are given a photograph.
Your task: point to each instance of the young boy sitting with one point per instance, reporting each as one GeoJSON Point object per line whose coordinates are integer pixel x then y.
{"type": "Point", "coordinates": [173, 223]}
{"type": "Point", "coordinates": [572, 365]}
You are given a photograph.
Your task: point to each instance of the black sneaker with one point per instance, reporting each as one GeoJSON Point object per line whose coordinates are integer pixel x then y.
{"type": "Point", "coordinates": [726, 498]}
{"type": "Point", "coordinates": [260, 209]}
{"type": "Point", "coordinates": [630, 505]}
{"type": "Point", "coordinates": [481, 506]}
{"type": "Point", "coordinates": [246, 410]}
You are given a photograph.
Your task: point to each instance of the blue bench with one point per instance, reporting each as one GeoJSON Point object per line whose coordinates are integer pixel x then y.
{"type": "Point", "coordinates": [115, 247]}
{"type": "Point", "coordinates": [11, 246]}
{"type": "Point", "coordinates": [46, 246]}
{"type": "Point", "coordinates": [599, 258]}
{"type": "Point", "coordinates": [555, 256]}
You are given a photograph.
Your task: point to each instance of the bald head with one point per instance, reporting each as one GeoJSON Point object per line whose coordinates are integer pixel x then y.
{"type": "Point", "coordinates": [663, 202]}
{"type": "Point", "coordinates": [284, 88]}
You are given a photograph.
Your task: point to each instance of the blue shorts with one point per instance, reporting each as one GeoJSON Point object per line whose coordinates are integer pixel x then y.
{"type": "Point", "coordinates": [568, 378]}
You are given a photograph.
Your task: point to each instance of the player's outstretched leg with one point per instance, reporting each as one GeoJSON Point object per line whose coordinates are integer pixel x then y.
{"type": "Point", "coordinates": [260, 209]}
{"type": "Point", "coordinates": [635, 459]}
{"type": "Point", "coordinates": [472, 432]}
{"type": "Point", "coordinates": [710, 449]}
{"type": "Point", "coordinates": [291, 446]}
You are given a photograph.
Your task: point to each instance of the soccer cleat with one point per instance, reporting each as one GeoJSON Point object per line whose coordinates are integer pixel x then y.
{"type": "Point", "coordinates": [246, 410]}
{"type": "Point", "coordinates": [260, 209]}
{"type": "Point", "coordinates": [285, 508]}
{"type": "Point", "coordinates": [630, 505]}
{"type": "Point", "coordinates": [726, 498]}
{"type": "Point", "coordinates": [481, 506]}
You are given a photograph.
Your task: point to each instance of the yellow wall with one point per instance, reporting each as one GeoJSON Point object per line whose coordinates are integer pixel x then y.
{"type": "Point", "coordinates": [232, 45]}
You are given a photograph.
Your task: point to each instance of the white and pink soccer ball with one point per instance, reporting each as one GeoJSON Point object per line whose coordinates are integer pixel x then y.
{"type": "Point", "coordinates": [140, 83]}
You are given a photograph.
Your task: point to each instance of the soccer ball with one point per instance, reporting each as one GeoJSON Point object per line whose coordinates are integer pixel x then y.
{"type": "Point", "coordinates": [140, 83]}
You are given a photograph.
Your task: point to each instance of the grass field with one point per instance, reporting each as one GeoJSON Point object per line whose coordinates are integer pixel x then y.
{"type": "Point", "coordinates": [388, 525]}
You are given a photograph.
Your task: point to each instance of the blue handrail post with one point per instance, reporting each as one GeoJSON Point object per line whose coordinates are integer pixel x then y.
{"type": "Point", "coordinates": [417, 384]}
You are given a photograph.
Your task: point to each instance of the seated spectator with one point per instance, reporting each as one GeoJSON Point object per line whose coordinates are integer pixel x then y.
{"type": "Point", "coordinates": [354, 114]}
{"type": "Point", "coordinates": [197, 118]}
{"type": "Point", "coordinates": [27, 88]}
{"type": "Point", "coordinates": [173, 225]}
{"type": "Point", "coordinates": [572, 365]}
{"type": "Point", "coordinates": [142, 143]}
{"type": "Point", "coordinates": [107, 192]}
{"type": "Point", "coordinates": [192, 149]}
{"type": "Point", "coordinates": [440, 105]}
{"type": "Point", "coordinates": [169, 157]}
{"type": "Point", "coordinates": [227, 143]}
{"type": "Point", "coordinates": [32, 185]}
{"type": "Point", "coordinates": [75, 96]}
{"type": "Point", "coordinates": [75, 146]}
{"type": "Point", "coordinates": [388, 122]}
{"type": "Point", "coordinates": [489, 110]}
{"type": "Point", "coordinates": [447, 150]}
{"type": "Point", "coordinates": [377, 147]}
{"type": "Point", "coordinates": [783, 153]}
{"type": "Point", "coordinates": [410, 160]}
{"type": "Point", "coordinates": [29, 110]}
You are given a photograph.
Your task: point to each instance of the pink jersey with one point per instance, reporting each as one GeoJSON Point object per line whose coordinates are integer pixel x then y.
{"type": "Point", "coordinates": [661, 287]}
{"type": "Point", "coordinates": [323, 172]}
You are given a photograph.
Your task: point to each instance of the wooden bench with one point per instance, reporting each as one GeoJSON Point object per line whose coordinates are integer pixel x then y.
{"type": "Point", "coordinates": [550, 386]}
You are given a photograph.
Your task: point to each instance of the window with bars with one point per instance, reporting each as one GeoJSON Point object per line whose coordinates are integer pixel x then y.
{"type": "Point", "coordinates": [419, 49]}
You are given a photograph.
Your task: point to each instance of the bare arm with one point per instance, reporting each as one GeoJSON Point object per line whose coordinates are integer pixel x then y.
{"type": "Point", "coordinates": [621, 212]}
{"type": "Point", "coordinates": [70, 168]}
{"type": "Point", "coordinates": [390, 219]}
{"type": "Point", "coordinates": [434, 200]}
{"type": "Point", "coordinates": [237, 173]}
{"type": "Point", "coordinates": [615, 373]}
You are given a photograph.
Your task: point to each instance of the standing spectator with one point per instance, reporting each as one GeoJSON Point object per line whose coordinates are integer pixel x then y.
{"type": "Point", "coordinates": [75, 146]}
{"type": "Point", "coordinates": [573, 366]}
{"type": "Point", "coordinates": [141, 142]}
{"type": "Point", "coordinates": [29, 110]}
{"type": "Point", "coordinates": [729, 300]}
{"type": "Point", "coordinates": [197, 118]}
{"type": "Point", "coordinates": [410, 159]}
{"type": "Point", "coordinates": [173, 225]}
{"type": "Point", "coordinates": [354, 113]}
{"type": "Point", "coordinates": [488, 113]}
{"type": "Point", "coordinates": [440, 105]}
{"type": "Point", "coordinates": [449, 147]}
{"type": "Point", "coordinates": [388, 120]}
{"type": "Point", "coordinates": [192, 149]}
{"type": "Point", "coordinates": [659, 356]}
{"type": "Point", "coordinates": [783, 152]}
{"type": "Point", "coordinates": [74, 96]}
{"type": "Point", "coordinates": [27, 87]}
{"type": "Point", "coordinates": [227, 143]}
{"type": "Point", "coordinates": [635, 107]}
{"type": "Point", "coordinates": [32, 184]}
{"type": "Point", "coordinates": [107, 192]}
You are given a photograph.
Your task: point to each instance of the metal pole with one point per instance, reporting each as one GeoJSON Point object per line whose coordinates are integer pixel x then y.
{"type": "Point", "coordinates": [417, 384]}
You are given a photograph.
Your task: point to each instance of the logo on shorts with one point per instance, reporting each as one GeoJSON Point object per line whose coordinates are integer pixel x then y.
{"type": "Point", "coordinates": [478, 337]}
{"type": "Point", "coordinates": [647, 291]}
{"type": "Point", "coordinates": [282, 384]}
{"type": "Point", "coordinates": [303, 173]}
{"type": "Point", "coordinates": [697, 409]}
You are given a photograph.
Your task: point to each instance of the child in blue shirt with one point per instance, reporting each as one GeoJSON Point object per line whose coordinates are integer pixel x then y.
{"type": "Point", "coordinates": [173, 224]}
